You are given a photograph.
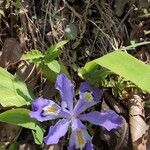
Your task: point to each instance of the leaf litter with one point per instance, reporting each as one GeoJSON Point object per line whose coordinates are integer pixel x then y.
{"type": "Point", "coordinates": [94, 28]}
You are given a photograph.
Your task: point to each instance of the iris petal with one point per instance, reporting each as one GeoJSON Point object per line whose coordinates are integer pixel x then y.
{"type": "Point", "coordinates": [109, 119]}
{"type": "Point", "coordinates": [89, 146]}
{"type": "Point", "coordinates": [79, 136]}
{"type": "Point", "coordinates": [37, 109]}
{"type": "Point", "coordinates": [89, 96]}
{"type": "Point", "coordinates": [66, 89]}
{"type": "Point", "coordinates": [57, 131]}
{"type": "Point", "coordinates": [44, 109]}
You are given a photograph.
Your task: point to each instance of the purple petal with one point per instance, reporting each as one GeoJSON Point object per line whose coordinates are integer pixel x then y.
{"type": "Point", "coordinates": [109, 119]}
{"type": "Point", "coordinates": [88, 146]}
{"type": "Point", "coordinates": [71, 148]}
{"type": "Point", "coordinates": [66, 89]}
{"type": "Point", "coordinates": [57, 131]}
{"type": "Point", "coordinates": [44, 109]}
{"type": "Point", "coordinates": [89, 96]}
{"type": "Point", "coordinates": [37, 109]}
{"type": "Point", "coordinates": [79, 136]}
{"type": "Point", "coordinates": [77, 124]}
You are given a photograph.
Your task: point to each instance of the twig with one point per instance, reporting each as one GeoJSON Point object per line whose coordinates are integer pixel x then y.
{"type": "Point", "coordinates": [72, 9]}
{"type": "Point", "coordinates": [125, 17]}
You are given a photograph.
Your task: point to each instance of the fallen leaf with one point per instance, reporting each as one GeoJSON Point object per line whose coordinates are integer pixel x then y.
{"type": "Point", "coordinates": [138, 126]}
{"type": "Point", "coordinates": [27, 72]}
{"type": "Point", "coordinates": [11, 52]}
{"type": "Point", "coordinates": [49, 90]}
{"type": "Point", "coordinates": [8, 133]}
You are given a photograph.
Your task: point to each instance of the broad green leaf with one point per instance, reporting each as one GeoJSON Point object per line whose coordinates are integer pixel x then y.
{"type": "Point", "coordinates": [54, 51]}
{"type": "Point", "coordinates": [13, 91]}
{"type": "Point", "coordinates": [33, 54]}
{"type": "Point", "coordinates": [71, 31]}
{"type": "Point", "coordinates": [20, 117]}
{"type": "Point", "coordinates": [54, 66]}
{"type": "Point", "coordinates": [124, 65]}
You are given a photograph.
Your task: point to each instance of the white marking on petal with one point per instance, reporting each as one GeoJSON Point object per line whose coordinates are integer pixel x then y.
{"type": "Point", "coordinates": [51, 109]}
{"type": "Point", "coordinates": [88, 96]}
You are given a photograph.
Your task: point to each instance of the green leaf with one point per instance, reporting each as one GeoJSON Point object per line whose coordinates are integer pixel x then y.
{"type": "Point", "coordinates": [38, 135]}
{"type": "Point", "coordinates": [13, 91]}
{"type": "Point", "coordinates": [54, 66]}
{"type": "Point", "coordinates": [50, 74]}
{"type": "Point", "coordinates": [47, 72]}
{"type": "Point", "coordinates": [99, 73]}
{"type": "Point", "coordinates": [2, 13]}
{"type": "Point", "coordinates": [124, 65]}
{"type": "Point", "coordinates": [71, 31]}
{"type": "Point", "coordinates": [33, 54]}
{"type": "Point", "coordinates": [13, 146]}
{"type": "Point", "coordinates": [53, 52]}
{"type": "Point", "coordinates": [20, 117]}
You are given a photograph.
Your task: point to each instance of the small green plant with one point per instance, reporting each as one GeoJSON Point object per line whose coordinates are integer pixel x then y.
{"type": "Point", "coordinates": [46, 61]}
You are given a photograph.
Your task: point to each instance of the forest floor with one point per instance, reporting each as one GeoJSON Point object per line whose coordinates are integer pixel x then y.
{"type": "Point", "coordinates": [94, 28]}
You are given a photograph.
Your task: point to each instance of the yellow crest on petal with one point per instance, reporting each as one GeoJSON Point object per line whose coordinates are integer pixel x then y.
{"type": "Point", "coordinates": [50, 110]}
{"type": "Point", "coordinates": [80, 140]}
{"type": "Point", "coordinates": [88, 96]}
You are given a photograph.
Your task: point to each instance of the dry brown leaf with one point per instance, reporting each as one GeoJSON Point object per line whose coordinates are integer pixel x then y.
{"type": "Point", "coordinates": [49, 90]}
{"type": "Point", "coordinates": [11, 52]}
{"type": "Point", "coordinates": [28, 73]}
{"type": "Point", "coordinates": [23, 34]}
{"type": "Point", "coordinates": [144, 55]}
{"type": "Point", "coordinates": [8, 133]}
{"type": "Point", "coordinates": [138, 126]}
{"type": "Point", "coordinates": [115, 105]}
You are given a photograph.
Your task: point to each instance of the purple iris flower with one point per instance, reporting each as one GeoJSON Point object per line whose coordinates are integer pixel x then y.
{"type": "Point", "coordinates": [44, 109]}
